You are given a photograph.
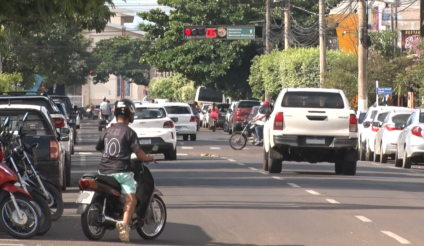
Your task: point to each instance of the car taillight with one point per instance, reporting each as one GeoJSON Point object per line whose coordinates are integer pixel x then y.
{"type": "Point", "coordinates": [375, 129]}
{"type": "Point", "coordinates": [85, 184]}
{"type": "Point", "coordinates": [168, 124]}
{"type": "Point", "coordinates": [59, 122]}
{"type": "Point", "coordinates": [54, 149]}
{"type": "Point", "coordinates": [238, 111]}
{"type": "Point", "coordinates": [416, 131]}
{"type": "Point", "coordinates": [193, 119]}
{"type": "Point", "coordinates": [353, 123]}
{"type": "Point", "coordinates": [391, 127]}
{"type": "Point", "coordinates": [279, 120]}
{"type": "Point", "coordinates": [95, 109]}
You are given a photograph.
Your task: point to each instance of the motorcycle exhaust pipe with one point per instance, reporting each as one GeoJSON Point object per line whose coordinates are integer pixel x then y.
{"type": "Point", "coordinates": [107, 219]}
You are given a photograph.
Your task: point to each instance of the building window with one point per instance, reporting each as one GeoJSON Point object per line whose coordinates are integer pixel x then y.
{"type": "Point", "coordinates": [127, 88]}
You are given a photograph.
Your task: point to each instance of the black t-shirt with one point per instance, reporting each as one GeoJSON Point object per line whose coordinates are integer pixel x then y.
{"type": "Point", "coordinates": [118, 143]}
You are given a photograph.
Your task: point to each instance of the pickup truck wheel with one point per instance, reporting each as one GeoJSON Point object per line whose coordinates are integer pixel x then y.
{"type": "Point", "coordinates": [338, 167]}
{"type": "Point", "coordinates": [406, 160]}
{"type": "Point", "coordinates": [274, 165]}
{"type": "Point", "coordinates": [185, 137]}
{"type": "Point", "coordinates": [383, 157]}
{"type": "Point", "coordinates": [349, 168]}
{"type": "Point", "coordinates": [193, 137]}
{"type": "Point", "coordinates": [398, 162]}
{"type": "Point", "coordinates": [265, 161]}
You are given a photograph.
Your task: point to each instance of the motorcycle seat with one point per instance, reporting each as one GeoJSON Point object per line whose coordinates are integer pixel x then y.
{"type": "Point", "coordinates": [107, 180]}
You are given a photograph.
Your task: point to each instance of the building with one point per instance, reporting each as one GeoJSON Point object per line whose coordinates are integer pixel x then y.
{"type": "Point", "coordinates": [93, 93]}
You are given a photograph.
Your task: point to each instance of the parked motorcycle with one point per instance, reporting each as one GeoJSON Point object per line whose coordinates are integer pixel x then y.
{"type": "Point", "coordinates": [19, 217]}
{"type": "Point", "coordinates": [101, 204]}
{"type": "Point", "coordinates": [238, 140]}
{"type": "Point", "coordinates": [13, 154]}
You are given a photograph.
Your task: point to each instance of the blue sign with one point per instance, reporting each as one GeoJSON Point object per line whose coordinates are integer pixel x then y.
{"type": "Point", "coordinates": [38, 81]}
{"type": "Point", "coordinates": [384, 91]}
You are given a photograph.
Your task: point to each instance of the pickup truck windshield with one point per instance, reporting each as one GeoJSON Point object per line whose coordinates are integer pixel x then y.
{"type": "Point", "coordinates": [307, 99]}
{"type": "Point", "coordinates": [35, 124]}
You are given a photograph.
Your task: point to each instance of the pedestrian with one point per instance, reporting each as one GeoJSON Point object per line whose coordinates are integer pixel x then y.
{"type": "Point", "coordinates": [105, 109]}
{"type": "Point", "coordinates": [91, 111]}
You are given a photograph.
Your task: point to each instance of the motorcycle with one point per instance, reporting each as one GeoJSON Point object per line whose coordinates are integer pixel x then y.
{"type": "Point", "coordinates": [19, 217]}
{"type": "Point", "coordinates": [101, 204]}
{"type": "Point", "coordinates": [238, 140]}
{"type": "Point", "coordinates": [13, 154]}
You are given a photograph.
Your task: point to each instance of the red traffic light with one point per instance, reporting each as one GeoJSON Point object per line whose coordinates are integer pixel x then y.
{"type": "Point", "coordinates": [187, 32]}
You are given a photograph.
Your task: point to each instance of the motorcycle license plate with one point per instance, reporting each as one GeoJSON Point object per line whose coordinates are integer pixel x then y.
{"type": "Point", "coordinates": [85, 197]}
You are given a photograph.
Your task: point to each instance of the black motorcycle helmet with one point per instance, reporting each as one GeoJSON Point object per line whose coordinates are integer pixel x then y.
{"type": "Point", "coordinates": [126, 108]}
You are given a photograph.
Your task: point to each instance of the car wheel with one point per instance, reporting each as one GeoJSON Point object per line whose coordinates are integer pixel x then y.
{"type": "Point", "coordinates": [265, 161]}
{"type": "Point", "coordinates": [185, 137]}
{"type": "Point", "coordinates": [193, 137]}
{"type": "Point", "coordinates": [406, 160]}
{"type": "Point", "coordinates": [338, 167]}
{"type": "Point", "coordinates": [349, 167]}
{"type": "Point", "coordinates": [78, 126]}
{"type": "Point", "coordinates": [398, 162]}
{"type": "Point", "coordinates": [68, 163]}
{"type": "Point", "coordinates": [383, 157]}
{"type": "Point", "coordinates": [171, 154]}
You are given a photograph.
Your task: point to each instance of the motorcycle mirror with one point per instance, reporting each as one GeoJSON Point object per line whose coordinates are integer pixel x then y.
{"type": "Point", "coordinates": [25, 117]}
{"type": "Point", "coordinates": [6, 122]}
{"type": "Point", "coordinates": [155, 148]}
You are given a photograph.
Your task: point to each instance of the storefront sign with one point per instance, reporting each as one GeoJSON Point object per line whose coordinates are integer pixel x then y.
{"type": "Point", "coordinates": [409, 37]}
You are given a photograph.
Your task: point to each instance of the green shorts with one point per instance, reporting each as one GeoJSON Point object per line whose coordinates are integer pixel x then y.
{"type": "Point", "coordinates": [126, 180]}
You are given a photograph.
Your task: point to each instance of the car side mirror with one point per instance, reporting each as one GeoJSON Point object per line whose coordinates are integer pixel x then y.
{"type": "Point", "coordinates": [376, 124]}
{"type": "Point", "coordinates": [399, 126]}
{"type": "Point", "coordinates": [366, 124]}
{"type": "Point", "coordinates": [64, 137]}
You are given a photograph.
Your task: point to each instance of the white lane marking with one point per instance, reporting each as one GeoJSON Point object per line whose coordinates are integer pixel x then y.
{"type": "Point", "coordinates": [275, 177]}
{"type": "Point", "coordinates": [182, 154]}
{"type": "Point", "coordinates": [363, 218]}
{"type": "Point", "coordinates": [293, 185]}
{"type": "Point", "coordinates": [332, 201]}
{"type": "Point", "coordinates": [398, 238]}
{"type": "Point", "coordinates": [231, 160]}
{"type": "Point", "coordinates": [376, 164]}
{"type": "Point", "coordinates": [12, 244]}
{"type": "Point", "coordinates": [312, 192]}
{"type": "Point", "coordinates": [85, 153]}
{"type": "Point", "coordinates": [241, 164]}
{"type": "Point", "coordinates": [185, 147]}
{"type": "Point", "coordinates": [215, 147]}
{"type": "Point", "coordinates": [252, 168]}
{"type": "Point", "coordinates": [264, 173]}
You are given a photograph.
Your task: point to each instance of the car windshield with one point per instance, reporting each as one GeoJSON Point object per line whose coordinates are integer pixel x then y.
{"type": "Point", "coordinates": [400, 118]}
{"type": "Point", "coordinates": [62, 109]}
{"type": "Point", "coordinates": [307, 99]}
{"type": "Point", "coordinates": [149, 113]}
{"type": "Point", "coordinates": [248, 104]}
{"type": "Point", "coordinates": [178, 110]}
{"type": "Point", "coordinates": [362, 117]}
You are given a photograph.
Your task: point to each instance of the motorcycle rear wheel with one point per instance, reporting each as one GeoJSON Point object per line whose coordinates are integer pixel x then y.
{"type": "Point", "coordinates": [142, 231]}
{"type": "Point", "coordinates": [7, 217]}
{"type": "Point", "coordinates": [89, 218]}
{"type": "Point", "coordinates": [238, 141]}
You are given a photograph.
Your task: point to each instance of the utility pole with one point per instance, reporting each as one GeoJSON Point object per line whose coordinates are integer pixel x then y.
{"type": "Point", "coordinates": [362, 57]}
{"type": "Point", "coordinates": [268, 37]}
{"type": "Point", "coordinates": [322, 42]}
{"type": "Point", "coordinates": [286, 24]}
{"type": "Point", "coordinates": [396, 23]}
{"type": "Point", "coordinates": [123, 89]}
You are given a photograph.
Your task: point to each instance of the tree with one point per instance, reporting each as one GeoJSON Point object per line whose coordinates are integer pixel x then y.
{"type": "Point", "coordinates": [120, 56]}
{"type": "Point", "coordinates": [58, 52]}
{"type": "Point", "coordinates": [176, 86]}
{"type": "Point", "coordinates": [10, 82]}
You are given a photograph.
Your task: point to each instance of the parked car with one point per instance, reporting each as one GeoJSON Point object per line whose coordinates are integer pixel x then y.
{"type": "Point", "coordinates": [154, 127]}
{"type": "Point", "coordinates": [223, 108]}
{"type": "Point", "coordinates": [388, 133]}
{"type": "Point", "coordinates": [72, 112]}
{"type": "Point", "coordinates": [50, 154]}
{"type": "Point", "coordinates": [69, 146]}
{"type": "Point", "coordinates": [242, 110]}
{"type": "Point", "coordinates": [184, 119]}
{"type": "Point", "coordinates": [228, 115]}
{"type": "Point", "coordinates": [410, 144]}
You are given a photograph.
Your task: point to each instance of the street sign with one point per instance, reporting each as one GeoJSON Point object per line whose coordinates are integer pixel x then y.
{"type": "Point", "coordinates": [241, 32]}
{"type": "Point", "coordinates": [384, 91]}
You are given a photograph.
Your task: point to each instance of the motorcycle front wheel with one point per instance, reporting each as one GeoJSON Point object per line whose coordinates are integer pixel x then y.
{"type": "Point", "coordinates": [238, 141]}
{"type": "Point", "coordinates": [54, 201]}
{"type": "Point", "coordinates": [24, 228]}
{"type": "Point", "coordinates": [151, 228]}
{"type": "Point", "coordinates": [43, 210]}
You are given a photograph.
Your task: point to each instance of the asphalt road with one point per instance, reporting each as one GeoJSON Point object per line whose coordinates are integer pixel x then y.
{"type": "Point", "coordinates": [228, 200]}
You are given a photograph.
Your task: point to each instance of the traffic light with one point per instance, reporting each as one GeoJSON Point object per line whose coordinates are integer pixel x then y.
{"type": "Point", "coordinates": [223, 32]}
{"type": "Point", "coordinates": [194, 32]}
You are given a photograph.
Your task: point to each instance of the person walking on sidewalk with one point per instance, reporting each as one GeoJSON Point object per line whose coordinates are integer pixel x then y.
{"type": "Point", "coordinates": [105, 109]}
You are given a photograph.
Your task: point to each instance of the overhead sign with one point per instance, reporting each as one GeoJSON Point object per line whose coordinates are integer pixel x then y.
{"type": "Point", "coordinates": [241, 32]}
{"type": "Point", "coordinates": [384, 91]}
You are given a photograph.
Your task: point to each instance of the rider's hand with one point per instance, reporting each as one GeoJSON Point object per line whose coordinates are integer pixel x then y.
{"type": "Point", "coordinates": [151, 159]}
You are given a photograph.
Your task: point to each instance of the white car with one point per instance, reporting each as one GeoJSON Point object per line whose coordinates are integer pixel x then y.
{"type": "Point", "coordinates": [154, 127]}
{"type": "Point", "coordinates": [388, 133]}
{"type": "Point", "coordinates": [410, 144]}
{"type": "Point", "coordinates": [185, 121]}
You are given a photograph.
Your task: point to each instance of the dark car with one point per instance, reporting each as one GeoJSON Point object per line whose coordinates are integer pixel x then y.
{"type": "Point", "coordinates": [223, 108]}
{"type": "Point", "coordinates": [40, 129]}
{"type": "Point", "coordinates": [241, 112]}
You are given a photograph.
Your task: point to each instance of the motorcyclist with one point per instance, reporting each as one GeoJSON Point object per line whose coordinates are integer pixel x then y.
{"type": "Point", "coordinates": [213, 113]}
{"type": "Point", "coordinates": [259, 123]}
{"type": "Point", "coordinates": [117, 144]}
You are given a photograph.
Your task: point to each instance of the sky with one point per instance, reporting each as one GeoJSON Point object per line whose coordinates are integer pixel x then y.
{"type": "Point", "coordinates": [138, 6]}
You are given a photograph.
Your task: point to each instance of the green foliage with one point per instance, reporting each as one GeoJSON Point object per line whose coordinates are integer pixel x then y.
{"type": "Point", "coordinates": [177, 87]}
{"type": "Point", "coordinates": [10, 82]}
{"type": "Point", "coordinates": [292, 68]}
{"type": "Point", "coordinates": [120, 56]}
{"type": "Point", "coordinates": [383, 45]}
{"type": "Point", "coordinates": [57, 51]}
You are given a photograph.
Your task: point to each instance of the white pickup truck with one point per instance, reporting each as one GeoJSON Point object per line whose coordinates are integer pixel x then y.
{"type": "Point", "coordinates": [311, 125]}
